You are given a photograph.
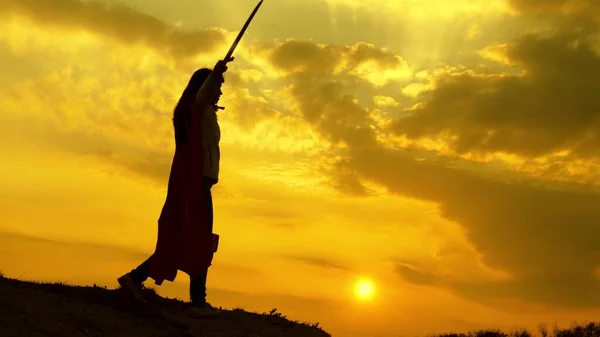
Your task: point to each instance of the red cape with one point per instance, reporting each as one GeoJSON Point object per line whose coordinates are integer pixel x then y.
{"type": "Point", "coordinates": [184, 243]}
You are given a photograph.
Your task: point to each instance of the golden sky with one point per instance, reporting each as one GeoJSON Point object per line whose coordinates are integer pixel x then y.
{"type": "Point", "coordinates": [445, 150]}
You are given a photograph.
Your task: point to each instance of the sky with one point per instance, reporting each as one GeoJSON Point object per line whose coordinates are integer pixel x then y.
{"type": "Point", "coordinates": [446, 151]}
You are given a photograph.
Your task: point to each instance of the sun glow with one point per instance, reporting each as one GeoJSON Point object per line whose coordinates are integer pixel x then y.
{"type": "Point", "coordinates": [364, 289]}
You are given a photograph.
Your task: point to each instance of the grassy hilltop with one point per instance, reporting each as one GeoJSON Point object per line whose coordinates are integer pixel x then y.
{"type": "Point", "coordinates": [36, 309]}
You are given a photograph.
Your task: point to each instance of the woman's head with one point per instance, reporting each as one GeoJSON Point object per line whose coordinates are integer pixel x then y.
{"type": "Point", "coordinates": [194, 85]}
{"type": "Point", "coordinates": [198, 77]}
{"type": "Point", "coordinates": [196, 81]}
{"type": "Point", "coordinates": [185, 102]}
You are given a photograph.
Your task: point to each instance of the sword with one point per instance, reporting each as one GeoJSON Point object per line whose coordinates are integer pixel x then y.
{"type": "Point", "coordinates": [238, 39]}
{"type": "Point", "coordinates": [215, 237]}
{"type": "Point", "coordinates": [241, 33]}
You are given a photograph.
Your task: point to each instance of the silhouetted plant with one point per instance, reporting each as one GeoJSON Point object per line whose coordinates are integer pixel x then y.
{"type": "Point", "coordinates": [543, 329]}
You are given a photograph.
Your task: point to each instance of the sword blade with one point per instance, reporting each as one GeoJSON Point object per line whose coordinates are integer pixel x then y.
{"type": "Point", "coordinates": [241, 33]}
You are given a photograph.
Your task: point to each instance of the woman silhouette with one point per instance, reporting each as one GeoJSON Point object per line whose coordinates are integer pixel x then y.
{"type": "Point", "coordinates": [185, 238]}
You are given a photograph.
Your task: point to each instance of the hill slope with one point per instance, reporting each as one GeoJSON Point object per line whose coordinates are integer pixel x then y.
{"type": "Point", "coordinates": [35, 309]}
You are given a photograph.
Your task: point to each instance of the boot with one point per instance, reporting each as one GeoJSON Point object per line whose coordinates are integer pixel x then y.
{"type": "Point", "coordinates": [134, 288]}
{"type": "Point", "coordinates": [198, 306]}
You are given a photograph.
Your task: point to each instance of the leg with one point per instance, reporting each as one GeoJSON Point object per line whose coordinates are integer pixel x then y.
{"type": "Point", "coordinates": [198, 283]}
{"type": "Point", "coordinates": [132, 281]}
{"type": "Point", "coordinates": [200, 308]}
{"type": "Point", "coordinates": [198, 289]}
{"type": "Point", "coordinates": [140, 274]}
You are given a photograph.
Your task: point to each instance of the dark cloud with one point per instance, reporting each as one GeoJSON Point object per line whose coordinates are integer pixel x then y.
{"type": "Point", "coordinates": [152, 165]}
{"type": "Point", "coordinates": [303, 56]}
{"type": "Point", "coordinates": [10, 239]}
{"type": "Point", "coordinates": [556, 6]}
{"type": "Point", "coordinates": [346, 181]}
{"type": "Point", "coordinates": [316, 261]}
{"type": "Point", "coordinates": [553, 106]}
{"type": "Point", "coordinates": [534, 233]}
{"type": "Point", "coordinates": [416, 277]}
{"type": "Point", "coordinates": [543, 236]}
{"type": "Point", "coordinates": [115, 21]}
{"type": "Point", "coordinates": [312, 59]}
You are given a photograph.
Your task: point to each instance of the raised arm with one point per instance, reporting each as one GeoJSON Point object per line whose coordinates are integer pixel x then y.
{"type": "Point", "coordinates": [213, 83]}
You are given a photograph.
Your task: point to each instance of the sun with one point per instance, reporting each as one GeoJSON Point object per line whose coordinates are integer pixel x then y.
{"type": "Point", "coordinates": [364, 289]}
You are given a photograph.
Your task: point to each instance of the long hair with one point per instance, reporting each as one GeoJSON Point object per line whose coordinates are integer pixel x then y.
{"type": "Point", "coordinates": [184, 106]}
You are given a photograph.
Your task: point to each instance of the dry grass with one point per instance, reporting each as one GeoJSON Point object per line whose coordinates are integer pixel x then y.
{"type": "Point", "coordinates": [37, 309]}
{"type": "Point", "coordinates": [585, 330]}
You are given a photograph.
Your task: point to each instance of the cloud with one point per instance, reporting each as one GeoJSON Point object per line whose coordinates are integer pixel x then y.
{"type": "Point", "coordinates": [415, 89]}
{"type": "Point", "coordinates": [538, 235]}
{"type": "Point", "coordinates": [117, 108]}
{"type": "Point", "coordinates": [556, 6]}
{"type": "Point", "coordinates": [319, 74]}
{"type": "Point", "coordinates": [115, 127]}
{"type": "Point", "coordinates": [12, 240]}
{"type": "Point", "coordinates": [497, 53]}
{"type": "Point", "coordinates": [117, 22]}
{"type": "Point", "coordinates": [552, 106]}
{"type": "Point", "coordinates": [385, 101]}
{"type": "Point", "coordinates": [316, 261]}
{"type": "Point", "coordinates": [415, 277]}
{"type": "Point", "coordinates": [248, 110]}
{"type": "Point", "coordinates": [362, 60]}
